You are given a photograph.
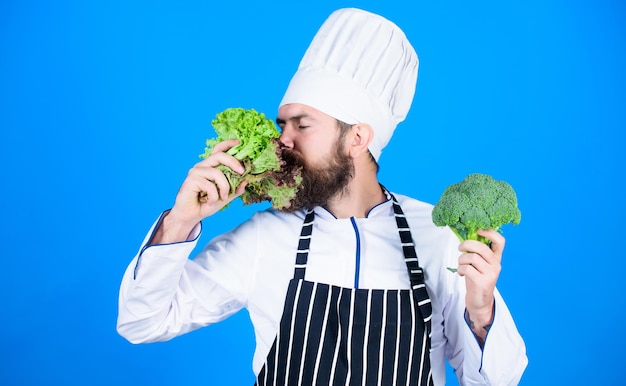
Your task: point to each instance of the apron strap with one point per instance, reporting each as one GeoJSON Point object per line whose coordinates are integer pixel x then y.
{"type": "Point", "coordinates": [416, 273]}
{"type": "Point", "coordinates": [303, 246]}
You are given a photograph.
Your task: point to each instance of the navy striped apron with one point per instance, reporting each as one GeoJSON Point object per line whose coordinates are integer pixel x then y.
{"type": "Point", "coordinates": [331, 335]}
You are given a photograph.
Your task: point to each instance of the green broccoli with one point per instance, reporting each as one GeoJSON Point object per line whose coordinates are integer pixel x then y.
{"type": "Point", "coordinates": [477, 202]}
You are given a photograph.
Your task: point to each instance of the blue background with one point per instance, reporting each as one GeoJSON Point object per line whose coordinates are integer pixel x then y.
{"type": "Point", "coordinates": [104, 106]}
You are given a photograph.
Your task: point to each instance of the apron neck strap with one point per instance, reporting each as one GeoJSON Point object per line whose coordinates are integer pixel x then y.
{"type": "Point", "coordinates": [416, 273]}
{"type": "Point", "coordinates": [303, 245]}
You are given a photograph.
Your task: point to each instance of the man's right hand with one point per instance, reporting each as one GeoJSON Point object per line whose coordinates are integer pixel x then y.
{"type": "Point", "coordinates": [204, 177]}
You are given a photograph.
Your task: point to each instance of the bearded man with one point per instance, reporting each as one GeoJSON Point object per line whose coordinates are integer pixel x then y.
{"type": "Point", "coordinates": [349, 285]}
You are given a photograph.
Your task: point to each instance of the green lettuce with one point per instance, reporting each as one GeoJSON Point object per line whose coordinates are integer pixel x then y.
{"type": "Point", "coordinates": [267, 175]}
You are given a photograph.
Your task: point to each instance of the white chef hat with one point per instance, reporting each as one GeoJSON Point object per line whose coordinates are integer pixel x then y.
{"type": "Point", "coordinates": [359, 68]}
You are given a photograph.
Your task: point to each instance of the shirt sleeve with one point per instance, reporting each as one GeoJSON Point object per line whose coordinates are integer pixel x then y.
{"type": "Point", "coordinates": [164, 294]}
{"type": "Point", "coordinates": [503, 359]}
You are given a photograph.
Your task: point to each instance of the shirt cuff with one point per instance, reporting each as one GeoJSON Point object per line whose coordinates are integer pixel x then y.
{"type": "Point", "coordinates": [191, 238]}
{"type": "Point", "coordinates": [502, 359]}
{"type": "Point", "coordinates": [468, 321]}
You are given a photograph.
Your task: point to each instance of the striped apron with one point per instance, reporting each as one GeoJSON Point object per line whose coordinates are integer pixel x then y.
{"type": "Point", "coordinates": [331, 335]}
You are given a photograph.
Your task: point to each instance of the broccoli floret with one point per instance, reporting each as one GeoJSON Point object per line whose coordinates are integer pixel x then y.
{"type": "Point", "coordinates": [477, 202]}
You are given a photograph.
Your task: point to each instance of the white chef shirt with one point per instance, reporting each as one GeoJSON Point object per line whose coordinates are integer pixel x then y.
{"type": "Point", "coordinates": [165, 294]}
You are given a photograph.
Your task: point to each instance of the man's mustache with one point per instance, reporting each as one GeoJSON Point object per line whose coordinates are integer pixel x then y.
{"type": "Point", "coordinates": [291, 157]}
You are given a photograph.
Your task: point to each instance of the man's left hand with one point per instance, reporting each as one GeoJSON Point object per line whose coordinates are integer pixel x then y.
{"type": "Point", "coordinates": [480, 265]}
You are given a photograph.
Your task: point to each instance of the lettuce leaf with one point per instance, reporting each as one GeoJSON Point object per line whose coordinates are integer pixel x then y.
{"type": "Point", "coordinates": [259, 150]}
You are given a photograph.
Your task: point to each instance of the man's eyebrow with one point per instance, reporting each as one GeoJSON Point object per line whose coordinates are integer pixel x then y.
{"type": "Point", "coordinates": [282, 121]}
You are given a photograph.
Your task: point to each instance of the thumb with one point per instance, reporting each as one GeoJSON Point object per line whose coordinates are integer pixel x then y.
{"type": "Point", "coordinates": [239, 191]}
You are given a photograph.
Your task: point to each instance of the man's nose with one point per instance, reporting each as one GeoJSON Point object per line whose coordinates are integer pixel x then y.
{"type": "Point", "coordinates": [286, 138]}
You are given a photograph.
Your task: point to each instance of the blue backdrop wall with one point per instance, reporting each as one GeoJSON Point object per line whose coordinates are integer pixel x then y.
{"type": "Point", "coordinates": [105, 105]}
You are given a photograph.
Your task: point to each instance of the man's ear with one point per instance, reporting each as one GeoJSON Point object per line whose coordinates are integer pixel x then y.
{"type": "Point", "coordinates": [362, 135]}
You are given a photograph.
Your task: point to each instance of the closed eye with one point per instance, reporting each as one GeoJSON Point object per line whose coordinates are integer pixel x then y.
{"type": "Point", "coordinates": [280, 123]}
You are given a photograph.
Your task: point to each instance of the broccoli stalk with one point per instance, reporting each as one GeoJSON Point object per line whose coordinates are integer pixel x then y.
{"type": "Point", "coordinates": [477, 202]}
{"type": "Point", "coordinates": [471, 235]}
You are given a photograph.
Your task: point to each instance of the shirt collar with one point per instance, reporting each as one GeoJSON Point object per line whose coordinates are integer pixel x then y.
{"type": "Point", "coordinates": [383, 209]}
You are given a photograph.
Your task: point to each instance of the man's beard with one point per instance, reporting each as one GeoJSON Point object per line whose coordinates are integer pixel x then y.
{"type": "Point", "coordinates": [320, 184]}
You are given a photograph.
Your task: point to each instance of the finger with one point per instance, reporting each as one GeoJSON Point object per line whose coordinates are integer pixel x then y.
{"type": "Point", "coordinates": [473, 246]}
{"type": "Point", "coordinates": [220, 181]}
{"type": "Point", "coordinates": [240, 189]}
{"type": "Point", "coordinates": [473, 261]}
{"type": "Point", "coordinates": [478, 273]}
{"type": "Point", "coordinates": [222, 147]}
{"type": "Point", "coordinates": [200, 180]}
{"type": "Point", "coordinates": [222, 159]}
{"type": "Point", "coordinates": [467, 270]}
{"type": "Point", "coordinates": [238, 192]}
{"type": "Point", "coordinates": [208, 192]}
{"type": "Point", "coordinates": [497, 240]}
{"type": "Point", "coordinates": [211, 179]}
{"type": "Point", "coordinates": [225, 145]}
